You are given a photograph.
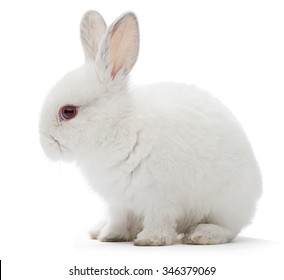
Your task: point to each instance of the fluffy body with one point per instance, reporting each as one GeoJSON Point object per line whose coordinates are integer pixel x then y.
{"type": "Point", "coordinates": [167, 158]}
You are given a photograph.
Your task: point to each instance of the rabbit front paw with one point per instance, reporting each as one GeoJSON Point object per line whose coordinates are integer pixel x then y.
{"type": "Point", "coordinates": [97, 229]}
{"type": "Point", "coordinates": [114, 234]}
{"type": "Point", "coordinates": [155, 238]}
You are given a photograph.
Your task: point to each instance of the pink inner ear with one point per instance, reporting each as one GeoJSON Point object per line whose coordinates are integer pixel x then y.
{"type": "Point", "coordinates": [113, 74]}
{"type": "Point", "coordinates": [118, 48]}
{"type": "Point", "coordinates": [124, 45]}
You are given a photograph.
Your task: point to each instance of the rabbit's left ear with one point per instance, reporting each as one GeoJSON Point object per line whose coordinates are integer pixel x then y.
{"type": "Point", "coordinates": [92, 29]}
{"type": "Point", "coordinates": [120, 47]}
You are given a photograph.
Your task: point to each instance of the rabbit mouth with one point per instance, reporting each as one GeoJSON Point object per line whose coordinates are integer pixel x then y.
{"type": "Point", "coordinates": [60, 146]}
{"type": "Point", "coordinates": [54, 149]}
{"type": "Point", "coordinates": [57, 143]}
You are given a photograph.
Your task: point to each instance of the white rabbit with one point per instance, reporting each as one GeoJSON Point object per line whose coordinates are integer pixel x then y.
{"type": "Point", "coordinates": [167, 158]}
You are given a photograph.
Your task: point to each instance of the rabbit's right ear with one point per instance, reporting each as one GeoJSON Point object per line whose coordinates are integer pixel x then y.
{"type": "Point", "coordinates": [120, 46]}
{"type": "Point", "coordinates": [92, 29]}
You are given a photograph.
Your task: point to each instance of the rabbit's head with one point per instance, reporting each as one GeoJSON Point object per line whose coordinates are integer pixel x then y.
{"type": "Point", "coordinates": [81, 109]}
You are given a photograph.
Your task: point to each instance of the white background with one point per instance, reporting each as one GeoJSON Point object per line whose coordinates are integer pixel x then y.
{"type": "Point", "coordinates": [234, 49]}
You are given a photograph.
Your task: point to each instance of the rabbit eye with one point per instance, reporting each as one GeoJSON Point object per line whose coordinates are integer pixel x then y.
{"type": "Point", "coordinates": [67, 112]}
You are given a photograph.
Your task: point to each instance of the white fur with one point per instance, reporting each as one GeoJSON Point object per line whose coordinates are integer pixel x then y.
{"type": "Point", "coordinates": [167, 158]}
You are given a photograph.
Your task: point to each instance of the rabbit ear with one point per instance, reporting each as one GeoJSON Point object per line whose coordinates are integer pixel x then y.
{"type": "Point", "coordinates": [92, 29]}
{"type": "Point", "coordinates": [121, 45]}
